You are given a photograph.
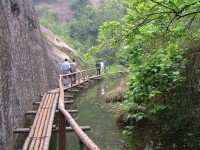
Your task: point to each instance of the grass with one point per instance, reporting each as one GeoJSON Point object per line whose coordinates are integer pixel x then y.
{"type": "Point", "coordinates": [112, 70]}
{"type": "Point", "coordinates": [117, 95]}
{"type": "Point", "coordinates": [116, 68]}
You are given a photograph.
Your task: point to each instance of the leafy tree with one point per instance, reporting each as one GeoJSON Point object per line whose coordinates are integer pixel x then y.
{"type": "Point", "coordinates": [152, 37]}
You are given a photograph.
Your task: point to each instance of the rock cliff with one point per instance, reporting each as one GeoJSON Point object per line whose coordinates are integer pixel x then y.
{"type": "Point", "coordinates": [28, 68]}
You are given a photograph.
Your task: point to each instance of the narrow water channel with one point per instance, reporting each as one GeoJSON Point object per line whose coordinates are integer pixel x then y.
{"type": "Point", "coordinates": [96, 113]}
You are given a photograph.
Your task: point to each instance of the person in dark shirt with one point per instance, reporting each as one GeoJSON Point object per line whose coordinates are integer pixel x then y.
{"type": "Point", "coordinates": [98, 67]}
{"type": "Point", "coordinates": [105, 66]}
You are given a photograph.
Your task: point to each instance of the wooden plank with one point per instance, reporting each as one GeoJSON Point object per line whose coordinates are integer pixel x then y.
{"type": "Point", "coordinates": [65, 102]}
{"type": "Point", "coordinates": [34, 112]}
{"type": "Point", "coordinates": [46, 123]}
{"type": "Point", "coordinates": [38, 125]}
{"type": "Point", "coordinates": [80, 86]}
{"type": "Point", "coordinates": [28, 139]}
{"type": "Point", "coordinates": [49, 129]}
{"type": "Point", "coordinates": [68, 96]}
{"type": "Point", "coordinates": [68, 129]}
{"type": "Point", "coordinates": [73, 91]}
{"type": "Point", "coordinates": [69, 102]}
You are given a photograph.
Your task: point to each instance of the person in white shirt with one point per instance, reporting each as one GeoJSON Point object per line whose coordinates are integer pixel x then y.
{"type": "Point", "coordinates": [102, 67]}
{"type": "Point", "coordinates": [65, 69]}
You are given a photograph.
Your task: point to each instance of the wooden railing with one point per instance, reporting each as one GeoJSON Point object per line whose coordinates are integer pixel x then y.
{"type": "Point", "coordinates": [64, 115]}
{"type": "Point", "coordinates": [36, 132]}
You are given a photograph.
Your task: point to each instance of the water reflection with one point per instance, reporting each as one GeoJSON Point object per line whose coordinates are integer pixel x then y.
{"type": "Point", "coordinates": [93, 111]}
{"type": "Point", "coordinates": [104, 88]}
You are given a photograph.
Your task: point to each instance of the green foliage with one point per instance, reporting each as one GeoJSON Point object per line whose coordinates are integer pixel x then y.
{"type": "Point", "coordinates": [129, 131]}
{"type": "Point", "coordinates": [151, 39]}
{"type": "Point", "coordinates": [156, 73]}
{"type": "Point", "coordinates": [158, 108]}
{"type": "Point", "coordinates": [114, 68]}
{"type": "Point", "coordinates": [81, 33]}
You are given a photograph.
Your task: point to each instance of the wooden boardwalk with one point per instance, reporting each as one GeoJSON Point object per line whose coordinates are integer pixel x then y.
{"type": "Point", "coordinates": [40, 133]}
{"type": "Point", "coordinates": [41, 130]}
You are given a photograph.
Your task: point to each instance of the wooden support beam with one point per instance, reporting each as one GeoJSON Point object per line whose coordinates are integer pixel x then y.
{"type": "Point", "coordinates": [33, 112]}
{"type": "Point", "coordinates": [68, 96]}
{"type": "Point", "coordinates": [62, 135]}
{"type": "Point", "coordinates": [80, 86]}
{"type": "Point", "coordinates": [73, 90]}
{"type": "Point", "coordinates": [99, 78]}
{"type": "Point", "coordinates": [68, 129]}
{"type": "Point", "coordinates": [82, 136]}
{"type": "Point", "coordinates": [66, 102]}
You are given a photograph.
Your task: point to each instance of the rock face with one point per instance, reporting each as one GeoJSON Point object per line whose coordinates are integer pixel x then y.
{"type": "Point", "coordinates": [26, 65]}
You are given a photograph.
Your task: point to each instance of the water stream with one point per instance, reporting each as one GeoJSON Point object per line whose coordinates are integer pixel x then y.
{"type": "Point", "coordinates": [96, 113]}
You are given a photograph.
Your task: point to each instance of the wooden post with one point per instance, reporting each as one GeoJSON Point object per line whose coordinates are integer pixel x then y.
{"type": "Point", "coordinates": [84, 77]}
{"type": "Point", "coordinates": [78, 78]}
{"type": "Point", "coordinates": [88, 75]}
{"type": "Point", "coordinates": [62, 134]}
{"type": "Point", "coordinates": [71, 83]}
{"type": "Point", "coordinates": [82, 147]}
{"type": "Point", "coordinates": [62, 119]}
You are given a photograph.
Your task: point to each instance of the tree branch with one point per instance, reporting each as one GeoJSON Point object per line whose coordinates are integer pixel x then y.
{"type": "Point", "coordinates": [186, 6]}
{"type": "Point", "coordinates": [167, 29]}
{"type": "Point", "coordinates": [191, 13]}
{"type": "Point", "coordinates": [173, 5]}
{"type": "Point", "coordinates": [191, 20]}
{"type": "Point", "coordinates": [164, 6]}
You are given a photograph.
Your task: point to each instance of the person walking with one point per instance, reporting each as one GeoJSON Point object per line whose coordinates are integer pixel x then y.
{"type": "Point", "coordinates": [65, 69]}
{"type": "Point", "coordinates": [105, 66]}
{"type": "Point", "coordinates": [98, 68]}
{"type": "Point", "coordinates": [73, 66]}
{"type": "Point", "coordinates": [102, 67]}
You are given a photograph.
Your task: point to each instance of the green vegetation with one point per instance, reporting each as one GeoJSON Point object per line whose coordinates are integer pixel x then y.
{"type": "Point", "coordinates": [158, 40]}
{"type": "Point", "coordinates": [82, 32]}
{"type": "Point", "coordinates": [117, 95]}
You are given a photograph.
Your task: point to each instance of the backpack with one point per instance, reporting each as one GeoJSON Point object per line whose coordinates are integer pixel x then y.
{"type": "Point", "coordinates": [73, 67]}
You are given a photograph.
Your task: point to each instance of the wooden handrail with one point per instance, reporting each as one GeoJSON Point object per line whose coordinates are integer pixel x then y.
{"type": "Point", "coordinates": [79, 132]}
{"type": "Point", "coordinates": [63, 75]}
{"type": "Point", "coordinates": [51, 100]}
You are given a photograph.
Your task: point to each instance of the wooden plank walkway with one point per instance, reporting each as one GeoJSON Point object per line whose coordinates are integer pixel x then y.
{"type": "Point", "coordinates": [82, 81]}
{"type": "Point", "coordinates": [40, 133]}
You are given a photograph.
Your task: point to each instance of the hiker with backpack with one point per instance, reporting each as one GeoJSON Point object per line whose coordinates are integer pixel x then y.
{"type": "Point", "coordinates": [65, 69]}
{"type": "Point", "coordinates": [74, 69]}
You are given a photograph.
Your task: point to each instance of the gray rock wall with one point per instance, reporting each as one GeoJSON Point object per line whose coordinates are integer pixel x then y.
{"type": "Point", "coordinates": [26, 65]}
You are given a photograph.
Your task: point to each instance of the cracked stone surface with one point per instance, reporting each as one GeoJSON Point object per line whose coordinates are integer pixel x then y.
{"type": "Point", "coordinates": [27, 66]}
